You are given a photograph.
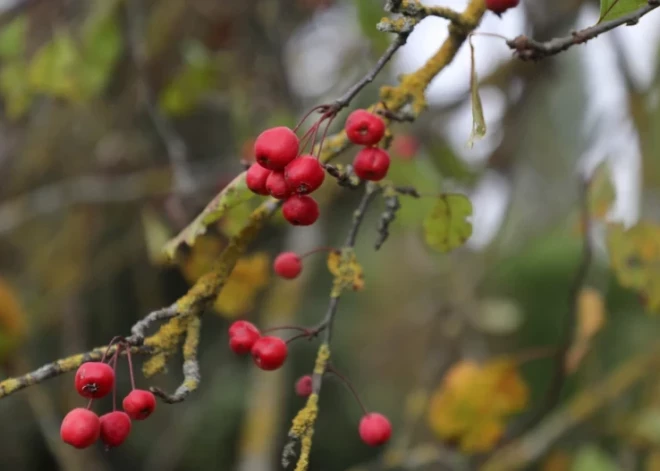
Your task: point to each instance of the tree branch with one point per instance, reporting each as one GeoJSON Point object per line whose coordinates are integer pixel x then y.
{"type": "Point", "coordinates": [529, 49]}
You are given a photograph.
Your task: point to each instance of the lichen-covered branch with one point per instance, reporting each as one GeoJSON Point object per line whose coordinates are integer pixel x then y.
{"type": "Point", "coordinates": [530, 49]}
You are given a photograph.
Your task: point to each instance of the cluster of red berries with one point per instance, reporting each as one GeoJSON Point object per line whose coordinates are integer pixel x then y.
{"type": "Point", "coordinates": [81, 427]}
{"type": "Point", "coordinates": [281, 173]}
{"type": "Point", "coordinates": [500, 6]}
{"type": "Point", "coordinates": [268, 352]}
{"type": "Point", "coordinates": [367, 129]}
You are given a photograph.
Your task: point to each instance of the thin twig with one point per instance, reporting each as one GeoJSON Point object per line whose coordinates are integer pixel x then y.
{"type": "Point", "coordinates": [559, 374]}
{"type": "Point", "coordinates": [530, 49]}
{"type": "Point", "coordinates": [139, 330]}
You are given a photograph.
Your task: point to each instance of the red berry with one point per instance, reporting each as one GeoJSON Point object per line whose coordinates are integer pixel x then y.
{"type": "Point", "coordinates": [375, 429]}
{"type": "Point", "coordinates": [115, 427]}
{"type": "Point", "coordinates": [371, 164]}
{"type": "Point", "coordinates": [304, 174]}
{"type": "Point", "coordinates": [242, 335]}
{"type": "Point", "coordinates": [304, 386]}
{"type": "Point", "coordinates": [94, 379]}
{"type": "Point", "coordinates": [139, 404]}
{"type": "Point", "coordinates": [80, 428]}
{"type": "Point", "coordinates": [269, 353]}
{"type": "Point", "coordinates": [405, 146]}
{"type": "Point", "coordinates": [364, 128]}
{"type": "Point", "coordinates": [300, 210]}
{"type": "Point", "coordinates": [500, 6]}
{"type": "Point", "coordinates": [256, 179]}
{"type": "Point", "coordinates": [277, 186]}
{"type": "Point", "coordinates": [287, 265]}
{"type": "Point", "coordinates": [276, 147]}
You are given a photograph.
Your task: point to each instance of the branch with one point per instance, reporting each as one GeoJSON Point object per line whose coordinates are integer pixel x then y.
{"type": "Point", "coordinates": [553, 394]}
{"type": "Point", "coordinates": [530, 49]}
{"type": "Point", "coordinates": [531, 446]}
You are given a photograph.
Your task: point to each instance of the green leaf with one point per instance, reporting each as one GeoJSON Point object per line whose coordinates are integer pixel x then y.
{"type": "Point", "coordinates": [591, 458]}
{"type": "Point", "coordinates": [446, 227]}
{"type": "Point", "coordinates": [12, 39]}
{"type": "Point", "coordinates": [101, 47]}
{"type": "Point", "coordinates": [231, 196]}
{"type": "Point", "coordinates": [54, 68]}
{"type": "Point", "coordinates": [478, 120]}
{"type": "Point", "coordinates": [647, 426]}
{"type": "Point", "coordinates": [612, 9]}
{"type": "Point", "coordinates": [15, 89]}
{"type": "Point", "coordinates": [191, 83]}
{"type": "Point", "coordinates": [601, 191]}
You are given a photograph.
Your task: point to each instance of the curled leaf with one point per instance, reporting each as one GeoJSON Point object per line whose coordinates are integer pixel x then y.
{"type": "Point", "coordinates": [478, 119]}
{"type": "Point", "coordinates": [590, 320]}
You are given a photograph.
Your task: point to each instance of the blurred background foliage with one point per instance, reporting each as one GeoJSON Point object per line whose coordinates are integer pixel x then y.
{"type": "Point", "coordinates": [121, 119]}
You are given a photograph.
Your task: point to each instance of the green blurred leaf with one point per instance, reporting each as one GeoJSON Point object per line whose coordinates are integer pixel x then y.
{"type": "Point", "coordinates": [12, 39]}
{"type": "Point", "coordinates": [231, 196]}
{"type": "Point", "coordinates": [601, 191]}
{"type": "Point", "coordinates": [478, 120]}
{"type": "Point", "coordinates": [15, 89]}
{"type": "Point", "coordinates": [54, 68]}
{"type": "Point", "coordinates": [611, 9]}
{"type": "Point", "coordinates": [191, 83]}
{"type": "Point", "coordinates": [369, 13]}
{"type": "Point", "coordinates": [647, 426]}
{"type": "Point", "coordinates": [591, 458]}
{"type": "Point", "coordinates": [446, 227]}
{"type": "Point", "coordinates": [101, 46]}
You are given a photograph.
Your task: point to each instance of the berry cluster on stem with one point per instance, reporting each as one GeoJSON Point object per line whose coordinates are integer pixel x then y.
{"type": "Point", "coordinates": [82, 427]}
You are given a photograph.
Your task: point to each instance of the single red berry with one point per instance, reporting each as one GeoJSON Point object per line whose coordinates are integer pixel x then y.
{"type": "Point", "coordinates": [242, 335]}
{"type": "Point", "coordinates": [269, 353]}
{"type": "Point", "coordinates": [277, 186]}
{"type": "Point", "coordinates": [371, 163]}
{"type": "Point", "coordinates": [304, 386]}
{"type": "Point", "coordinates": [287, 265]}
{"type": "Point", "coordinates": [115, 427]}
{"type": "Point", "coordinates": [405, 146]}
{"type": "Point", "coordinates": [80, 428]}
{"type": "Point", "coordinates": [276, 147]}
{"type": "Point", "coordinates": [304, 174]}
{"type": "Point", "coordinates": [364, 128]}
{"type": "Point", "coordinates": [139, 404]}
{"type": "Point", "coordinates": [256, 179]}
{"type": "Point", "coordinates": [94, 379]}
{"type": "Point", "coordinates": [375, 429]}
{"type": "Point", "coordinates": [300, 210]}
{"type": "Point", "coordinates": [500, 6]}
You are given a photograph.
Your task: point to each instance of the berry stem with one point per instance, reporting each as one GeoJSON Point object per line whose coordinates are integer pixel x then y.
{"type": "Point", "coordinates": [89, 404]}
{"type": "Point", "coordinates": [287, 327]}
{"type": "Point", "coordinates": [330, 117]}
{"type": "Point", "coordinates": [299, 336]}
{"type": "Point", "coordinates": [117, 338]}
{"type": "Point", "coordinates": [491, 35]}
{"type": "Point", "coordinates": [114, 384]}
{"type": "Point", "coordinates": [307, 115]}
{"type": "Point", "coordinates": [304, 141]}
{"type": "Point", "coordinates": [345, 380]}
{"type": "Point", "coordinates": [130, 368]}
{"type": "Point", "coordinates": [317, 250]}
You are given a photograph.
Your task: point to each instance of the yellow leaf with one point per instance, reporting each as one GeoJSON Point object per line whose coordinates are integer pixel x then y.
{"type": "Point", "coordinates": [478, 120]}
{"type": "Point", "coordinates": [13, 325]}
{"type": "Point", "coordinates": [347, 271]}
{"type": "Point", "coordinates": [473, 402]}
{"type": "Point", "coordinates": [635, 258]}
{"type": "Point", "coordinates": [446, 227]}
{"type": "Point", "coordinates": [590, 320]}
{"type": "Point", "coordinates": [156, 233]}
{"type": "Point", "coordinates": [601, 193]}
{"type": "Point", "coordinates": [54, 68]}
{"type": "Point", "coordinates": [250, 275]}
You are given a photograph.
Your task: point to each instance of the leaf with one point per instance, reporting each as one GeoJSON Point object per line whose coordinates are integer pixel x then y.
{"type": "Point", "coordinates": [473, 402]}
{"type": "Point", "coordinates": [156, 233]}
{"type": "Point", "coordinates": [478, 120]}
{"type": "Point", "coordinates": [590, 320]}
{"type": "Point", "coordinates": [635, 259]}
{"type": "Point", "coordinates": [54, 68]}
{"type": "Point", "coordinates": [12, 39]}
{"type": "Point", "coordinates": [612, 9]}
{"type": "Point", "coordinates": [601, 191]}
{"type": "Point", "coordinates": [101, 47]}
{"type": "Point", "coordinates": [15, 89]}
{"type": "Point", "coordinates": [591, 458]}
{"type": "Point", "coordinates": [347, 271]}
{"type": "Point", "coordinates": [13, 325]}
{"type": "Point", "coordinates": [250, 275]}
{"type": "Point", "coordinates": [647, 426]}
{"type": "Point", "coordinates": [191, 83]}
{"type": "Point", "coordinates": [231, 196]}
{"type": "Point", "coordinates": [446, 227]}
